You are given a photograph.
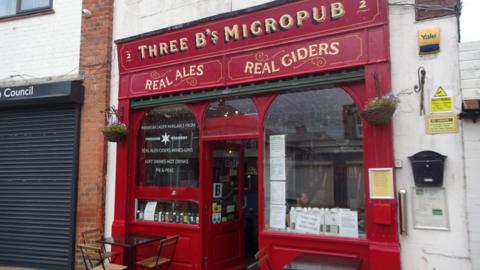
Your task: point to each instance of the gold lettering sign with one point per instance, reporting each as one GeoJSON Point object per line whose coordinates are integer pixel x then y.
{"type": "Point", "coordinates": [236, 32]}
{"type": "Point", "coordinates": [169, 78]}
{"type": "Point", "coordinates": [287, 59]}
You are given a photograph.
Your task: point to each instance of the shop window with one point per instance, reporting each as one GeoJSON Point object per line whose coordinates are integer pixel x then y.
{"type": "Point", "coordinates": [314, 164]}
{"type": "Point", "coordinates": [231, 116]}
{"type": "Point", "coordinates": [167, 211]}
{"type": "Point", "coordinates": [169, 148]}
{"type": "Point", "coordinates": [20, 7]}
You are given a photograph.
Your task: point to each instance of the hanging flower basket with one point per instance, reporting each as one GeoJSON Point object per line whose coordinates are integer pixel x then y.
{"type": "Point", "coordinates": [379, 111]}
{"type": "Point", "coordinates": [115, 130]}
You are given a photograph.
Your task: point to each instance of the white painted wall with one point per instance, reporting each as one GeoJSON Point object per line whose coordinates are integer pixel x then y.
{"type": "Point", "coordinates": [421, 249]}
{"type": "Point", "coordinates": [470, 69]}
{"type": "Point", "coordinates": [36, 48]}
{"type": "Point", "coordinates": [133, 17]}
{"type": "Point", "coordinates": [428, 249]}
{"type": "Point", "coordinates": [470, 82]}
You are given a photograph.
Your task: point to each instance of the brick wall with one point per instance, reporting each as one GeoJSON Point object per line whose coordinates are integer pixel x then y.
{"type": "Point", "coordinates": [428, 9]}
{"type": "Point", "coordinates": [95, 59]}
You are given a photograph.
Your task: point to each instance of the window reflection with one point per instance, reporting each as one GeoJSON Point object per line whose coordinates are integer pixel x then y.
{"type": "Point", "coordinates": [33, 4]}
{"type": "Point", "coordinates": [8, 7]}
{"type": "Point", "coordinates": [19, 7]}
{"type": "Point", "coordinates": [313, 164]}
{"type": "Point", "coordinates": [231, 116]}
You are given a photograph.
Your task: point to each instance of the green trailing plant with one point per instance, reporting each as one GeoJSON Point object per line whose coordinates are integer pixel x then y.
{"type": "Point", "coordinates": [379, 110]}
{"type": "Point", "coordinates": [389, 101]}
{"type": "Point", "coordinates": [115, 130]}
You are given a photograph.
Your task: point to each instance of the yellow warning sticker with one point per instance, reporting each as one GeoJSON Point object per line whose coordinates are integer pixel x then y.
{"type": "Point", "coordinates": [441, 105]}
{"type": "Point", "coordinates": [441, 124]}
{"type": "Point", "coordinates": [440, 92]}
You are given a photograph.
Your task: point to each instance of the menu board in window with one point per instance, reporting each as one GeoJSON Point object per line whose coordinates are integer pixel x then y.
{"type": "Point", "coordinates": [169, 147]}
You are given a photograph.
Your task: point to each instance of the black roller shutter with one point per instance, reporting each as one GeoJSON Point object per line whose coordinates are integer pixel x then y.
{"type": "Point", "coordinates": [38, 168]}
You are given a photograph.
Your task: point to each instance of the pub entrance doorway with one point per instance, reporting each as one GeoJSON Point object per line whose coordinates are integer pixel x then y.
{"type": "Point", "coordinates": [232, 205]}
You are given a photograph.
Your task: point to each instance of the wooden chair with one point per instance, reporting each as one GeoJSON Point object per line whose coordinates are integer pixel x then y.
{"type": "Point", "coordinates": [92, 255]}
{"type": "Point", "coordinates": [91, 237]}
{"type": "Point", "coordinates": [159, 261]}
{"type": "Point", "coordinates": [262, 258]}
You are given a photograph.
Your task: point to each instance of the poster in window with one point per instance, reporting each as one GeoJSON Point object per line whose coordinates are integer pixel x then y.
{"type": "Point", "coordinates": [277, 192]}
{"type": "Point", "coordinates": [278, 216]}
{"type": "Point", "coordinates": [277, 168]}
{"type": "Point", "coordinates": [169, 150]}
{"type": "Point", "coordinates": [277, 145]}
{"type": "Point", "coordinates": [381, 183]}
{"type": "Point", "coordinates": [149, 212]}
{"type": "Point", "coordinates": [217, 190]}
{"type": "Point", "coordinates": [308, 223]}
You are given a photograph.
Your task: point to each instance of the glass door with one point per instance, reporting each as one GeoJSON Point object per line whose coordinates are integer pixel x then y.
{"type": "Point", "coordinates": [224, 202]}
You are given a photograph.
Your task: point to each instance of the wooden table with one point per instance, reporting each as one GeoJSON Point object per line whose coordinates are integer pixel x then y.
{"type": "Point", "coordinates": [130, 242]}
{"type": "Point", "coordinates": [309, 261]}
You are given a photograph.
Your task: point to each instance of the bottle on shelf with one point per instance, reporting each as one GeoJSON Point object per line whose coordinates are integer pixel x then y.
{"type": "Point", "coordinates": [139, 215]}
{"type": "Point", "coordinates": [179, 218]}
{"type": "Point", "coordinates": [191, 218]}
{"type": "Point", "coordinates": [167, 216]}
{"type": "Point", "coordinates": [184, 218]}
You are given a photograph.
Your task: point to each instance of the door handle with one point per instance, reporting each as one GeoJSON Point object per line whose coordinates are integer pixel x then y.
{"type": "Point", "coordinates": [402, 205]}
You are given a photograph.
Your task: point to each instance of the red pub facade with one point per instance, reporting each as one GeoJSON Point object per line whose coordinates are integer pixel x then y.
{"type": "Point", "coordinates": [245, 132]}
